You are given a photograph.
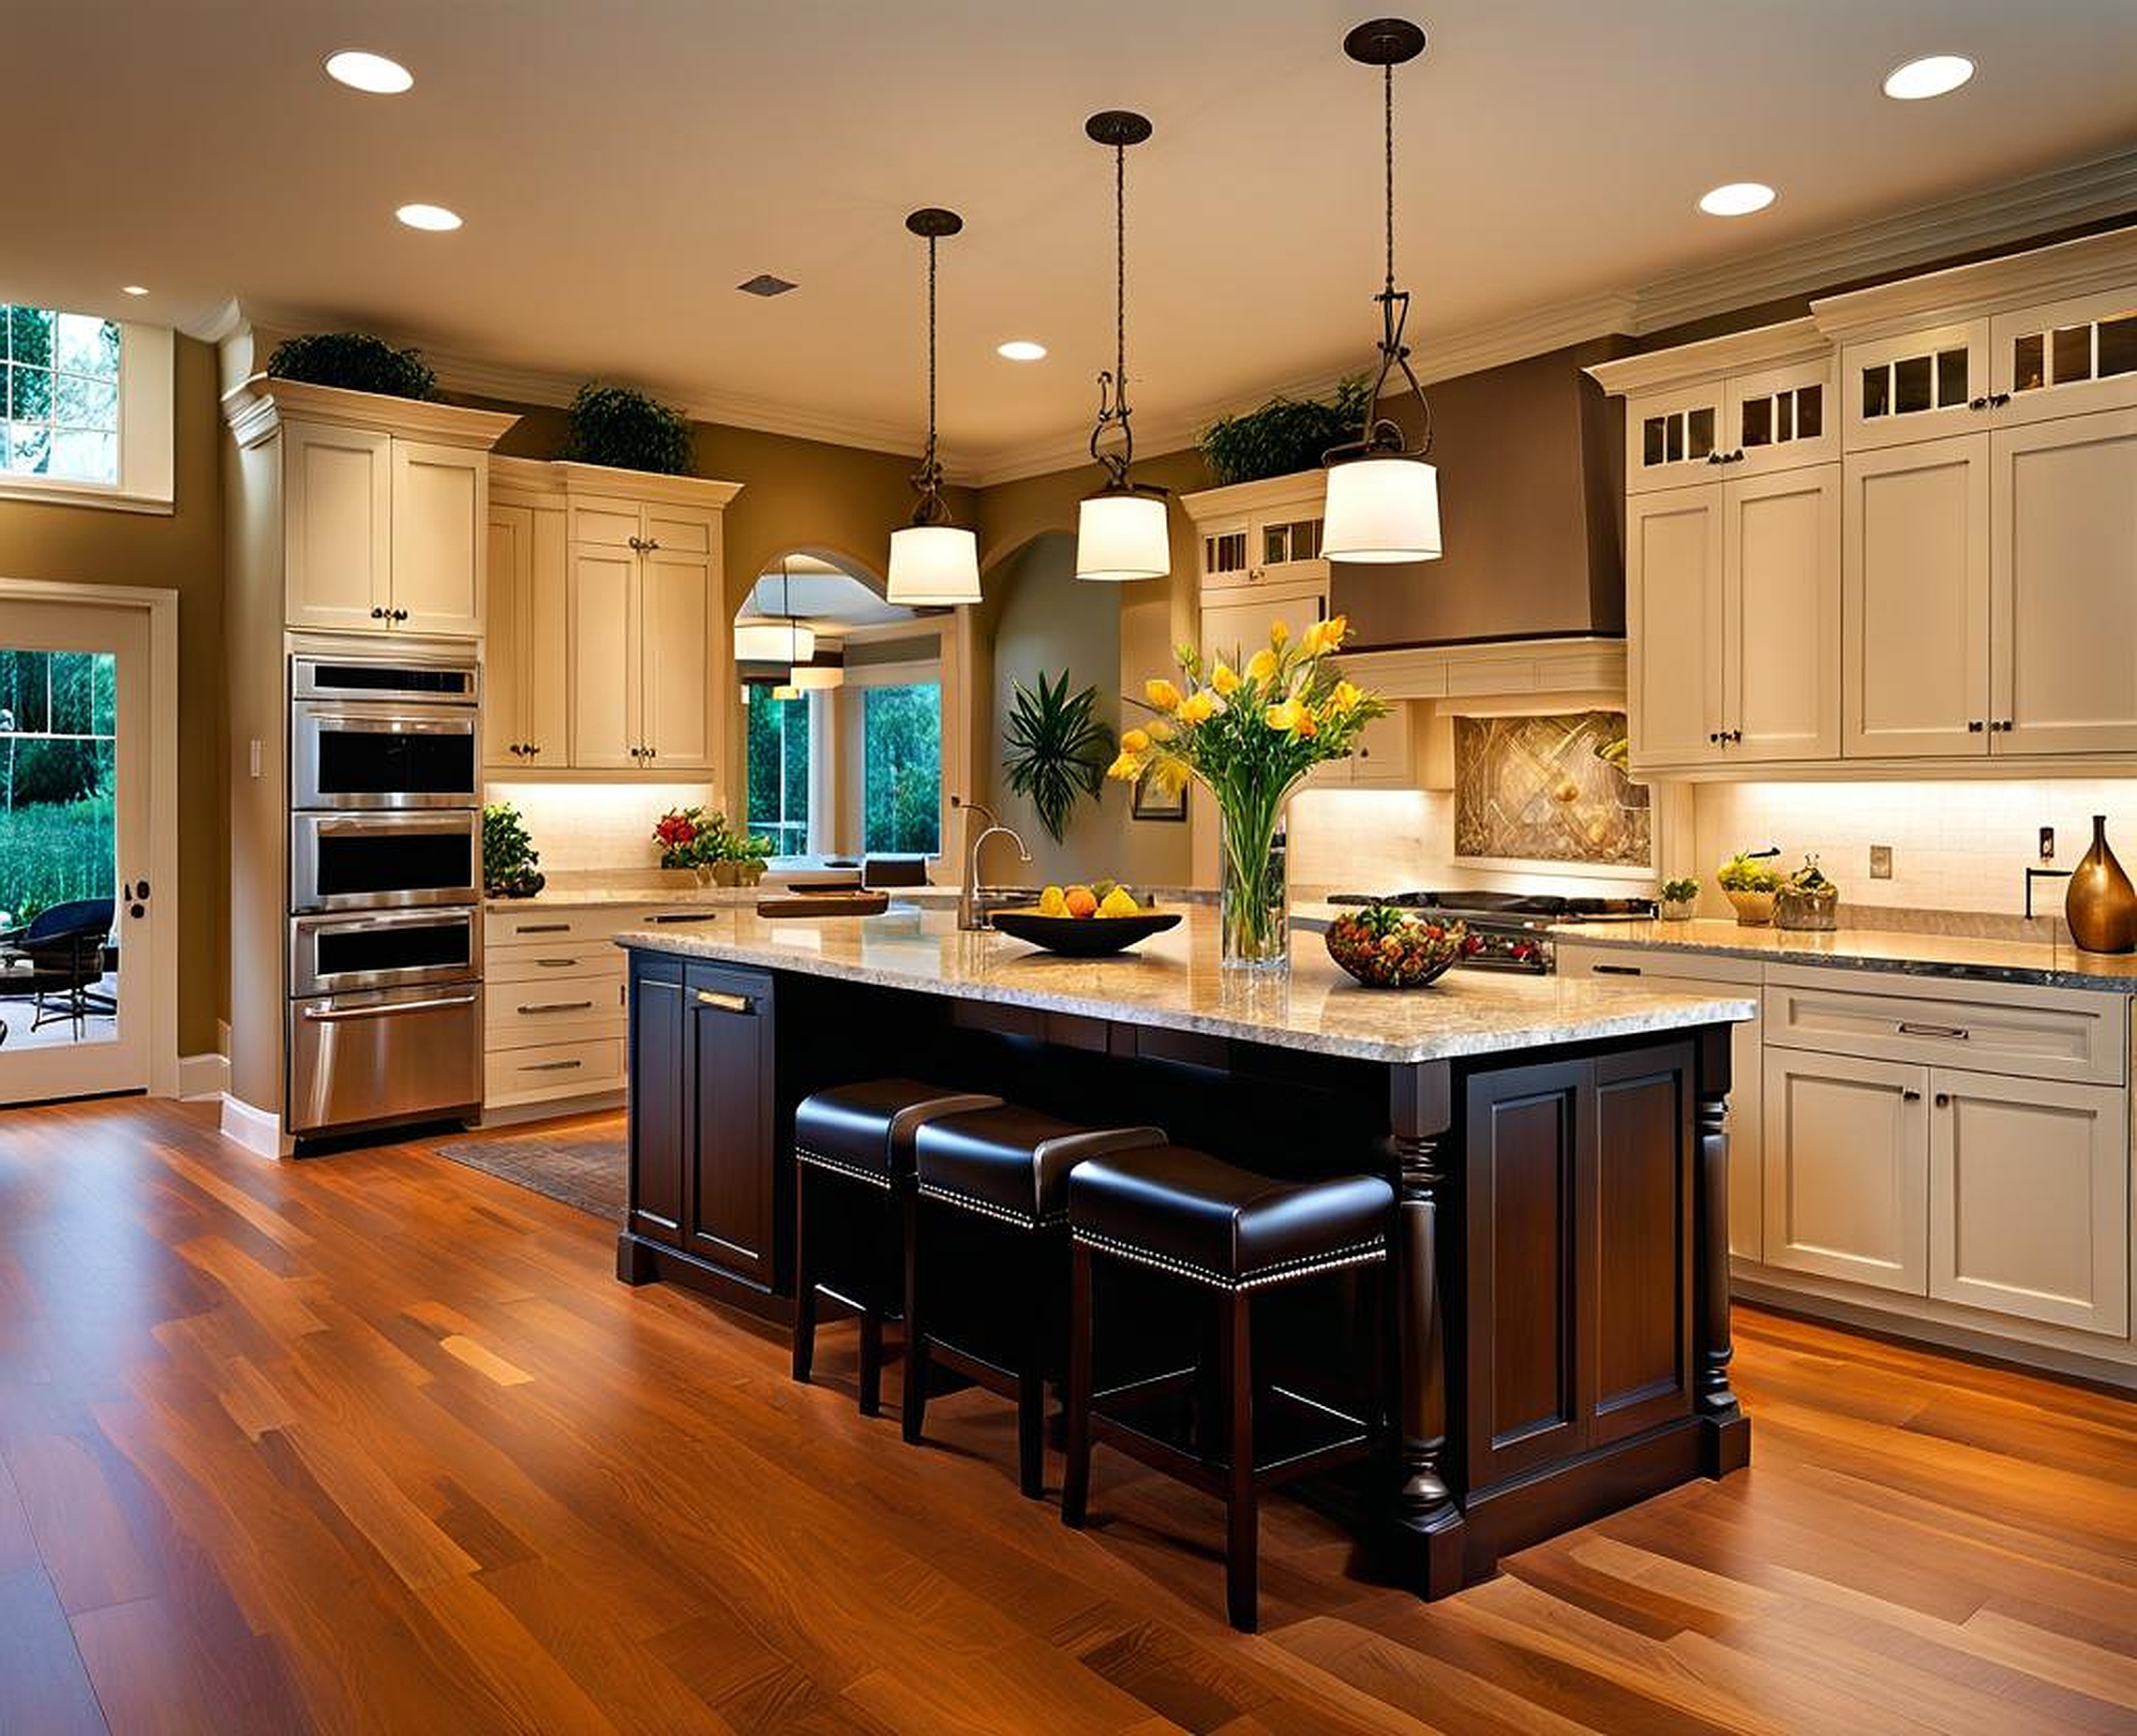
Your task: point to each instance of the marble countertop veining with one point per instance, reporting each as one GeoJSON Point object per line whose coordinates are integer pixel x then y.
{"type": "Point", "coordinates": [2047, 964]}
{"type": "Point", "coordinates": [1173, 980]}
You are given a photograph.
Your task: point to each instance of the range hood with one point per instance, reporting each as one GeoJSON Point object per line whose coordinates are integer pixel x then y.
{"type": "Point", "coordinates": [1532, 491]}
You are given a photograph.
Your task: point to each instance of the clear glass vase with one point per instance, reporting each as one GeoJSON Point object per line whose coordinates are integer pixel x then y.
{"type": "Point", "coordinates": [1254, 912]}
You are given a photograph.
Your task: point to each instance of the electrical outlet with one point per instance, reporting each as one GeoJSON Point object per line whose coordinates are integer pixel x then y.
{"type": "Point", "coordinates": [1880, 861]}
{"type": "Point", "coordinates": [2047, 843]}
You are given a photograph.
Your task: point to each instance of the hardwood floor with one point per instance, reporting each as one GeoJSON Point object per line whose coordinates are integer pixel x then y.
{"type": "Point", "coordinates": [376, 1442]}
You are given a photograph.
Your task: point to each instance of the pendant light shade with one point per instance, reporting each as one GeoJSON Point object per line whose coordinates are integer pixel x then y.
{"type": "Point", "coordinates": [934, 561]}
{"type": "Point", "coordinates": [770, 640]}
{"type": "Point", "coordinates": [816, 676]}
{"type": "Point", "coordinates": [1383, 499]}
{"type": "Point", "coordinates": [933, 564]}
{"type": "Point", "coordinates": [1382, 510]}
{"type": "Point", "coordinates": [1122, 532]}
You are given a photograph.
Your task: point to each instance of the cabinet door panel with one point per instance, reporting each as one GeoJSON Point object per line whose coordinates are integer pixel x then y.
{"type": "Point", "coordinates": [1674, 620]}
{"type": "Point", "coordinates": [337, 513]}
{"type": "Point", "coordinates": [731, 1206]}
{"type": "Point", "coordinates": [658, 1129]}
{"type": "Point", "coordinates": [440, 507]}
{"type": "Point", "coordinates": [508, 580]}
{"type": "Point", "coordinates": [1846, 1169]}
{"type": "Point", "coordinates": [2064, 579]}
{"type": "Point", "coordinates": [1920, 385]}
{"type": "Point", "coordinates": [2029, 1199]}
{"type": "Point", "coordinates": [1782, 669]}
{"type": "Point", "coordinates": [2068, 357]}
{"type": "Point", "coordinates": [603, 659]}
{"type": "Point", "coordinates": [1673, 437]}
{"type": "Point", "coordinates": [1784, 418]}
{"type": "Point", "coordinates": [676, 660]}
{"type": "Point", "coordinates": [546, 668]}
{"type": "Point", "coordinates": [1914, 576]}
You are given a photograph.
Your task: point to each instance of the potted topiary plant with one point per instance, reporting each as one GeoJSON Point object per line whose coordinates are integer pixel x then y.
{"type": "Point", "coordinates": [1284, 436]}
{"type": "Point", "coordinates": [509, 856]}
{"type": "Point", "coordinates": [1678, 898]}
{"type": "Point", "coordinates": [1751, 883]}
{"type": "Point", "coordinates": [747, 852]}
{"type": "Point", "coordinates": [623, 427]}
{"type": "Point", "coordinates": [355, 362]}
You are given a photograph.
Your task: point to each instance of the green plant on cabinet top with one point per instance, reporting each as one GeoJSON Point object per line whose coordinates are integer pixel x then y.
{"type": "Point", "coordinates": [355, 362]}
{"type": "Point", "coordinates": [619, 427]}
{"type": "Point", "coordinates": [1284, 436]}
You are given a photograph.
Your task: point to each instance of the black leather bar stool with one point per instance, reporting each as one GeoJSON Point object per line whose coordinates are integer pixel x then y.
{"type": "Point", "coordinates": [1185, 1214]}
{"type": "Point", "coordinates": [853, 1158]}
{"type": "Point", "coordinates": [997, 1179]}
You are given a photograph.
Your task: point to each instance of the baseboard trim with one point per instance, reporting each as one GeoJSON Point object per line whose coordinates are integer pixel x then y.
{"type": "Point", "coordinates": [550, 1109]}
{"type": "Point", "coordinates": [202, 1076]}
{"type": "Point", "coordinates": [258, 1131]}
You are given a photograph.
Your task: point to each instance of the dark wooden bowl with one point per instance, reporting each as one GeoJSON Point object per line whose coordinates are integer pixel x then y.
{"type": "Point", "coordinates": [1088, 937]}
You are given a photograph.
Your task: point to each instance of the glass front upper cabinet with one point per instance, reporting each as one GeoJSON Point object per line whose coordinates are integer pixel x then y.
{"type": "Point", "coordinates": [2067, 356]}
{"type": "Point", "coordinates": [1675, 437]}
{"type": "Point", "coordinates": [1782, 418]}
{"type": "Point", "coordinates": [1920, 385]}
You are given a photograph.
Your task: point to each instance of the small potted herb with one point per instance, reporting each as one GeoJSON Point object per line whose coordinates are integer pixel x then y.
{"type": "Point", "coordinates": [745, 853]}
{"type": "Point", "coordinates": [1808, 901]}
{"type": "Point", "coordinates": [1677, 897]}
{"type": "Point", "coordinates": [1751, 883]}
{"type": "Point", "coordinates": [509, 856]}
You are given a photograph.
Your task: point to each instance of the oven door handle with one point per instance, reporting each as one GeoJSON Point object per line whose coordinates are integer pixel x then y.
{"type": "Point", "coordinates": [336, 1015]}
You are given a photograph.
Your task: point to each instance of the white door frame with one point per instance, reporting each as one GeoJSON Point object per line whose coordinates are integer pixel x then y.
{"type": "Point", "coordinates": [162, 610]}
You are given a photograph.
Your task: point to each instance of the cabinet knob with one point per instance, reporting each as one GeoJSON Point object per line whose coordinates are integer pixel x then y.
{"type": "Point", "coordinates": [1978, 403]}
{"type": "Point", "coordinates": [1733, 735]}
{"type": "Point", "coordinates": [1998, 400]}
{"type": "Point", "coordinates": [1974, 726]}
{"type": "Point", "coordinates": [1913, 1097]}
{"type": "Point", "coordinates": [1714, 738]}
{"type": "Point", "coordinates": [377, 614]}
{"type": "Point", "coordinates": [1944, 1099]}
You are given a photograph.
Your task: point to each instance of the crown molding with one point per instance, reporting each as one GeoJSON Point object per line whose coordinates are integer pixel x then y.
{"type": "Point", "coordinates": [1763, 346]}
{"type": "Point", "coordinates": [2064, 270]}
{"type": "Point", "coordinates": [256, 408]}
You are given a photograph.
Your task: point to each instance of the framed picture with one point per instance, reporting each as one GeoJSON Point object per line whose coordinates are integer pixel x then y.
{"type": "Point", "coordinates": [1150, 804]}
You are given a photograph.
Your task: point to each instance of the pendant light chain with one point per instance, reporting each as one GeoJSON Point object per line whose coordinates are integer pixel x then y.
{"type": "Point", "coordinates": [1116, 130]}
{"type": "Point", "coordinates": [1120, 282]}
{"type": "Point", "coordinates": [932, 469]}
{"type": "Point", "coordinates": [1387, 98]}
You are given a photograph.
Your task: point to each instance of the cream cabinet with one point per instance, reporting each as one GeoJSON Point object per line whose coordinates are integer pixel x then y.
{"type": "Point", "coordinates": [1734, 616]}
{"type": "Point", "coordinates": [1748, 421]}
{"type": "Point", "coordinates": [606, 688]}
{"type": "Point", "coordinates": [1913, 385]}
{"type": "Point", "coordinates": [1845, 1171]}
{"type": "Point", "coordinates": [1261, 533]}
{"type": "Point", "coordinates": [383, 534]}
{"type": "Point", "coordinates": [526, 688]}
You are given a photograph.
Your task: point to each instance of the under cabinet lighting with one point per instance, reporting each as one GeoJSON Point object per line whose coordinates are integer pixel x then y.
{"type": "Point", "coordinates": [371, 73]}
{"type": "Point", "coordinates": [1932, 75]}
{"type": "Point", "coordinates": [1736, 198]}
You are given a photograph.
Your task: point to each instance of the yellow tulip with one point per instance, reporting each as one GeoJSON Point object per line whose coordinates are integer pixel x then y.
{"type": "Point", "coordinates": [1225, 679]}
{"type": "Point", "coordinates": [1285, 716]}
{"type": "Point", "coordinates": [1346, 696]}
{"type": "Point", "coordinates": [1334, 630]}
{"type": "Point", "coordinates": [1262, 666]}
{"type": "Point", "coordinates": [1162, 695]}
{"type": "Point", "coordinates": [1305, 726]}
{"type": "Point", "coordinates": [1128, 768]}
{"type": "Point", "coordinates": [1198, 708]}
{"type": "Point", "coordinates": [1134, 741]}
{"type": "Point", "coordinates": [1160, 731]}
{"type": "Point", "coordinates": [1280, 631]}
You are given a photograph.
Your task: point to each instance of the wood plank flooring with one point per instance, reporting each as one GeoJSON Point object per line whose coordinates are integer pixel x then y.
{"type": "Point", "coordinates": [376, 1442]}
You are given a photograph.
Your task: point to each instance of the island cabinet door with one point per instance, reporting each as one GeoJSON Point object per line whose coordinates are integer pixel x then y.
{"type": "Point", "coordinates": [731, 1206]}
{"type": "Point", "coordinates": [658, 1026]}
{"type": "Point", "coordinates": [1578, 1206]}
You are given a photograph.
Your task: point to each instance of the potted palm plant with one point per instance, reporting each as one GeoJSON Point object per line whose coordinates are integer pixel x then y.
{"type": "Point", "coordinates": [1057, 749]}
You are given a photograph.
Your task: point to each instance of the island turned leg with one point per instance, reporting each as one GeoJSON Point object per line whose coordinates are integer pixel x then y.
{"type": "Point", "coordinates": [1728, 1442]}
{"type": "Point", "coordinates": [1426, 1511]}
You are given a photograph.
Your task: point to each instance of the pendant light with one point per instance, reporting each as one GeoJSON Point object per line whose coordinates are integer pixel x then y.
{"type": "Point", "coordinates": [779, 638]}
{"type": "Point", "coordinates": [1384, 499]}
{"type": "Point", "coordinates": [1121, 531]}
{"type": "Point", "coordinates": [933, 561]}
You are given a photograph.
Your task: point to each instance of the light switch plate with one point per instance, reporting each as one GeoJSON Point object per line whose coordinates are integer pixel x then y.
{"type": "Point", "coordinates": [1880, 861]}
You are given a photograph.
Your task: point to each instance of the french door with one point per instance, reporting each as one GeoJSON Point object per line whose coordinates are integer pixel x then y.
{"type": "Point", "coordinates": [78, 900]}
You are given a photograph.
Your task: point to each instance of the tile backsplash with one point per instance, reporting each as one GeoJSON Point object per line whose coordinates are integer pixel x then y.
{"type": "Point", "coordinates": [597, 826]}
{"type": "Point", "coordinates": [1956, 846]}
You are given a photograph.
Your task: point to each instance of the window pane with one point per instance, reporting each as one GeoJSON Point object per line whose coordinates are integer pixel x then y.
{"type": "Point", "coordinates": [1650, 440]}
{"type": "Point", "coordinates": [1877, 391]}
{"type": "Point", "coordinates": [84, 456]}
{"type": "Point", "coordinates": [1911, 384]}
{"type": "Point", "coordinates": [2029, 371]}
{"type": "Point", "coordinates": [777, 774]}
{"type": "Point", "coordinates": [1809, 411]}
{"type": "Point", "coordinates": [2118, 345]}
{"type": "Point", "coordinates": [2073, 353]}
{"type": "Point", "coordinates": [902, 769]}
{"type": "Point", "coordinates": [80, 402]}
{"type": "Point", "coordinates": [29, 336]}
{"type": "Point", "coordinates": [1700, 438]}
{"type": "Point", "coordinates": [79, 346]}
{"type": "Point", "coordinates": [1951, 377]}
{"type": "Point", "coordinates": [1757, 422]}
{"type": "Point", "coordinates": [29, 449]}
{"type": "Point", "coordinates": [55, 789]}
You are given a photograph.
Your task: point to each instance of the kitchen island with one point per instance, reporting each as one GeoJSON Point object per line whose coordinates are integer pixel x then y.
{"type": "Point", "coordinates": [1557, 1145]}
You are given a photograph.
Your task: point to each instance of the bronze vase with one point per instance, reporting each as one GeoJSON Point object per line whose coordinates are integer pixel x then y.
{"type": "Point", "coordinates": [2101, 905]}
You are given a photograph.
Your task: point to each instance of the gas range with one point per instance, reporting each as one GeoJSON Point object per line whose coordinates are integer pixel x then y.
{"type": "Point", "coordinates": [1509, 930]}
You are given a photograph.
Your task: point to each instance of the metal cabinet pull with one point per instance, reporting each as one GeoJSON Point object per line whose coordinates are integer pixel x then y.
{"type": "Point", "coordinates": [1913, 1097]}
{"type": "Point", "coordinates": [542, 928]}
{"type": "Point", "coordinates": [725, 1002]}
{"type": "Point", "coordinates": [686, 916]}
{"type": "Point", "coordinates": [1958, 1031]}
{"type": "Point", "coordinates": [558, 1005]}
{"type": "Point", "coordinates": [336, 1015]}
{"type": "Point", "coordinates": [1617, 970]}
{"type": "Point", "coordinates": [556, 964]}
{"type": "Point", "coordinates": [1944, 1099]}
{"type": "Point", "coordinates": [550, 1067]}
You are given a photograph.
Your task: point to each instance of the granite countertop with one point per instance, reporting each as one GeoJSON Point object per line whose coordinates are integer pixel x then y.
{"type": "Point", "coordinates": [2049, 963]}
{"type": "Point", "coordinates": [1173, 980]}
{"type": "Point", "coordinates": [658, 889]}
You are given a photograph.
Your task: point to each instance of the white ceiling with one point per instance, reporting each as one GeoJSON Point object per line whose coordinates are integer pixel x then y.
{"type": "Point", "coordinates": [821, 593]}
{"type": "Point", "coordinates": [621, 166]}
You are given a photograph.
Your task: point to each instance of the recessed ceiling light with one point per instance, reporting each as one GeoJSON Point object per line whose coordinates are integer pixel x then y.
{"type": "Point", "coordinates": [1022, 350]}
{"type": "Point", "coordinates": [135, 289]}
{"type": "Point", "coordinates": [428, 216]}
{"type": "Point", "coordinates": [1930, 76]}
{"type": "Point", "coordinates": [1736, 198]}
{"type": "Point", "coordinates": [375, 73]}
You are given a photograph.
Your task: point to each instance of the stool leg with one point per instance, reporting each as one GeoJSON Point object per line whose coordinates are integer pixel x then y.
{"type": "Point", "coordinates": [1076, 1473]}
{"type": "Point", "coordinates": [913, 1401]}
{"type": "Point", "coordinates": [804, 1279]}
{"type": "Point", "coordinates": [1242, 1513]}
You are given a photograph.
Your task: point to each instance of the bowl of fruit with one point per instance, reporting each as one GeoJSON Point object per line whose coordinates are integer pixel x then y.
{"type": "Point", "coordinates": [1387, 946]}
{"type": "Point", "coordinates": [1085, 921]}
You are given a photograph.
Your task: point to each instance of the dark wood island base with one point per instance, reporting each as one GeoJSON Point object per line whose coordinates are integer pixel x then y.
{"type": "Point", "coordinates": [1561, 1342]}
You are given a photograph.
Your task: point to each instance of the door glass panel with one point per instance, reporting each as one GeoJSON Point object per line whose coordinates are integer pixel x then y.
{"type": "Point", "coordinates": [400, 946]}
{"type": "Point", "coordinates": [58, 847]}
{"type": "Point", "coordinates": [902, 769]}
{"type": "Point", "coordinates": [1784, 416]}
{"type": "Point", "coordinates": [2029, 363]}
{"type": "Point", "coordinates": [1758, 422]}
{"type": "Point", "coordinates": [2073, 353]}
{"type": "Point", "coordinates": [1952, 372]}
{"type": "Point", "coordinates": [1876, 392]}
{"type": "Point", "coordinates": [777, 770]}
{"type": "Point", "coordinates": [1275, 544]}
{"type": "Point", "coordinates": [1911, 385]}
{"type": "Point", "coordinates": [1673, 439]}
{"type": "Point", "coordinates": [1810, 412]}
{"type": "Point", "coordinates": [410, 859]}
{"type": "Point", "coordinates": [1651, 441]}
{"type": "Point", "coordinates": [360, 763]}
{"type": "Point", "coordinates": [1701, 437]}
{"type": "Point", "coordinates": [2118, 344]}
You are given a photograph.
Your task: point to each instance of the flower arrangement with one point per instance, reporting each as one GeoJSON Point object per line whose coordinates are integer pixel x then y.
{"type": "Point", "coordinates": [1249, 734]}
{"type": "Point", "coordinates": [689, 837]}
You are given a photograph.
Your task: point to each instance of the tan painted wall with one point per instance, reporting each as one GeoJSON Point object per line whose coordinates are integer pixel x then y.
{"type": "Point", "coordinates": [181, 552]}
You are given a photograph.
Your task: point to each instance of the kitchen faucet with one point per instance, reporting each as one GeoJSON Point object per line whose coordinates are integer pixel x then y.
{"type": "Point", "coordinates": [975, 908]}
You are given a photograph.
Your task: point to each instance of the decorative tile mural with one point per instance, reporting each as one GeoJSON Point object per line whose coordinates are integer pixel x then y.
{"type": "Point", "coordinates": [1548, 789]}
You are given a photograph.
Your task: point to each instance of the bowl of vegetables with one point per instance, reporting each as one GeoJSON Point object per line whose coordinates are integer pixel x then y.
{"type": "Point", "coordinates": [1388, 947]}
{"type": "Point", "coordinates": [1751, 883]}
{"type": "Point", "coordinates": [1807, 900]}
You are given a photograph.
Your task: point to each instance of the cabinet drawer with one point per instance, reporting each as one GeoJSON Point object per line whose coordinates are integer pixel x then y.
{"type": "Point", "coordinates": [553, 1070]}
{"type": "Point", "coordinates": [2037, 1033]}
{"type": "Point", "coordinates": [565, 926]}
{"type": "Point", "coordinates": [520, 965]}
{"type": "Point", "coordinates": [1577, 960]}
{"type": "Point", "coordinates": [569, 1009]}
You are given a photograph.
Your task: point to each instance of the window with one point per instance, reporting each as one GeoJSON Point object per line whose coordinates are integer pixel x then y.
{"type": "Point", "coordinates": [58, 727]}
{"type": "Point", "coordinates": [776, 777]}
{"type": "Point", "coordinates": [85, 408]}
{"type": "Point", "coordinates": [902, 769]}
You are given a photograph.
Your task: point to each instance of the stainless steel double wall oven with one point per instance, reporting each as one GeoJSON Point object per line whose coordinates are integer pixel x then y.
{"type": "Point", "coordinates": [385, 890]}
